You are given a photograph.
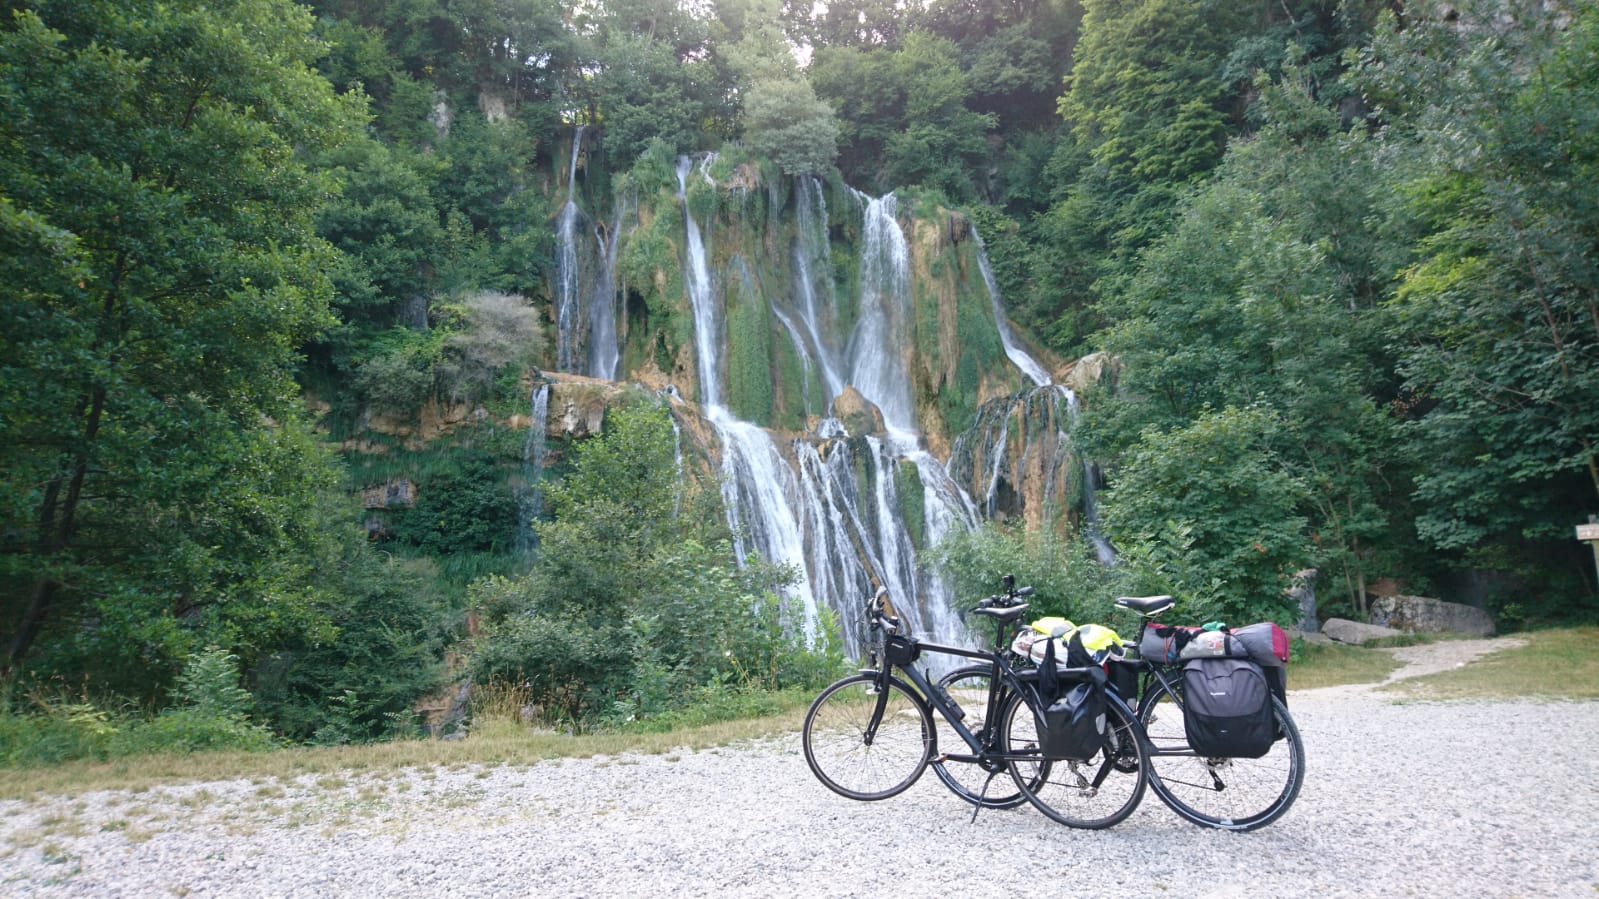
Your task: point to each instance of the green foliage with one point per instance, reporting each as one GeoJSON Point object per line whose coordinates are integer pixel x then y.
{"type": "Point", "coordinates": [212, 713]}
{"type": "Point", "coordinates": [209, 685]}
{"type": "Point", "coordinates": [155, 475]}
{"type": "Point", "coordinates": [466, 506]}
{"type": "Point", "coordinates": [636, 600]}
{"type": "Point", "coordinates": [749, 364]}
{"type": "Point", "coordinates": [786, 123]}
{"type": "Point", "coordinates": [1212, 510]}
{"type": "Point", "coordinates": [392, 622]}
{"type": "Point", "coordinates": [902, 112]}
{"type": "Point", "coordinates": [1498, 333]}
{"type": "Point", "coordinates": [1067, 576]}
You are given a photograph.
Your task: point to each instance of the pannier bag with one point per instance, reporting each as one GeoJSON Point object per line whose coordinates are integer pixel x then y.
{"type": "Point", "coordinates": [1073, 726]}
{"type": "Point", "coordinates": [1227, 709]}
{"type": "Point", "coordinates": [1072, 723]}
{"type": "Point", "coordinates": [1123, 678]}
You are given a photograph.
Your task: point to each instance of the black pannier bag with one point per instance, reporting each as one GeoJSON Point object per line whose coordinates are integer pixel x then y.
{"type": "Point", "coordinates": [1227, 709]}
{"type": "Point", "coordinates": [1072, 725]}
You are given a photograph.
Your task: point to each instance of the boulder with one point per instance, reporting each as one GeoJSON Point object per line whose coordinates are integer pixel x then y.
{"type": "Point", "coordinates": [859, 415]}
{"type": "Point", "coordinates": [1092, 370]}
{"type": "Point", "coordinates": [1423, 614]}
{"type": "Point", "coordinates": [1345, 631]}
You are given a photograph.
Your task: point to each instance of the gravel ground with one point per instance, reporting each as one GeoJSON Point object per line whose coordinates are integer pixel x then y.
{"type": "Point", "coordinates": [1413, 799]}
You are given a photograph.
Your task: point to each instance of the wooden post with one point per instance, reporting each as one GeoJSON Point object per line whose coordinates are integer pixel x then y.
{"type": "Point", "coordinates": [1589, 533]}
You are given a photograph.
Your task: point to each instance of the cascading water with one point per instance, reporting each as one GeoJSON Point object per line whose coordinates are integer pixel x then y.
{"type": "Point", "coordinates": [811, 255]}
{"type": "Point", "coordinates": [702, 298]}
{"type": "Point", "coordinates": [758, 487]}
{"type": "Point", "coordinates": [530, 495]}
{"type": "Point", "coordinates": [567, 290]}
{"type": "Point", "coordinates": [987, 442]}
{"type": "Point", "coordinates": [1018, 356]}
{"type": "Point", "coordinates": [876, 346]}
{"type": "Point", "coordinates": [1102, 546]}
{"type": "Point", "coordinates": [605, 352]}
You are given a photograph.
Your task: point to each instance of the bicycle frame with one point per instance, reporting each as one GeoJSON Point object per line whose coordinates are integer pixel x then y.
{"type": "Point", "coordinates": [1003, 677]}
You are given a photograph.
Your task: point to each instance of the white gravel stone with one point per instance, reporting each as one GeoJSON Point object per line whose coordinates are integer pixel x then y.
{"type": "Point", "coordinates": [1400, 799]}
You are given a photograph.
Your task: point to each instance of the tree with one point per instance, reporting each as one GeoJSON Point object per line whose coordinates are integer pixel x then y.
{"type": "Point", "coordinates": [784, 122]}
{"type": "Point", "coordinates": [1499, 312]}
{"type": "Point", "coordinates": [903, 115]}
{"type": "Point", "coordinates": [636, 598]}
{"type": "Point", "coordinates": [153, 473]}
{"type": "Point", "coordinates": [1211, 508]}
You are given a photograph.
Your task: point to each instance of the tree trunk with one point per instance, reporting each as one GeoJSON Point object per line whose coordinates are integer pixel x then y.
{"type": "Point", "coordinates": [57, 526]}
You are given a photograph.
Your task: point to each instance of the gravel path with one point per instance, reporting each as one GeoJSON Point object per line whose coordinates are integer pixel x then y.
{"type": "Point", "coordinates": [1409, 799]}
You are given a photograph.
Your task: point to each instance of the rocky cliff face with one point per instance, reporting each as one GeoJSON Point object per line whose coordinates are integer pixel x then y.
{"type": "Point", "coordinates": [841, 360]}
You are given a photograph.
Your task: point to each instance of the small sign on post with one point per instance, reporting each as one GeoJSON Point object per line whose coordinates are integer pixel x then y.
{"type": "Point", "coordinates": [1589, 533]}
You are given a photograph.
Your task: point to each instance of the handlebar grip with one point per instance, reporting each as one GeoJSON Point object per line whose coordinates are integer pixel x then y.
{"type": "Point", "coordinates": [1025, 591]}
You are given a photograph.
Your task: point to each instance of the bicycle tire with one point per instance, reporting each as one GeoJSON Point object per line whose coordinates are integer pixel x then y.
{"type": "Point", "coordinates": [836, 748]}
{"type": "Point", "coordinates": [975, 782]}
{"type": "Point", "coordinates": [1065, 790]}
{"type": "Point", "coordinates": [1228, 794]}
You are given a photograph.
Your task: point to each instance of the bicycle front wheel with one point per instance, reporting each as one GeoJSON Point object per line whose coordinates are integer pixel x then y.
{"type": "Point", "coordinates": [984, 782]}
{"type": "Point", "coordinates": [1095, 793]}
{"type": "Point", "coordinates": [859, 754]}
{"type": "Point", "coordinates": [1230, 794]}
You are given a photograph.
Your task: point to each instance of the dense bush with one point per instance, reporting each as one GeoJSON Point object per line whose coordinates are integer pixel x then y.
{"type": "Point", "coordinates": [636, 601]}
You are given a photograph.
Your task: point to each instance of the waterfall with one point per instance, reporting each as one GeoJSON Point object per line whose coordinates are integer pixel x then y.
{"type": "Point", "coordinates": [876, 345]}
{"type": "Point", "coordinates": [1013, 351]}
{"type": "Point", "coordinates": [840, 512]}
{"type": "Point", "coordinates": [697, 281]}
{"type": "Point", "coordinates": [567, 294]}
{"type": "Point", "coordinates": [803, 352]}
{"type": "Point", "coordinates": [1102, 546]}
{"type": "Point", "coordinates": [604, 350]}
{"type": "Point", "coordinates": [758, 487]}
{"type": "Point", "coordinates": [853, 539]}
{"type": "Point", "coordinates": [530, 495]}
{"type": "Point", "coordinates": [760, 492]}
{"type": "Point", "coordinates": [811, 255]}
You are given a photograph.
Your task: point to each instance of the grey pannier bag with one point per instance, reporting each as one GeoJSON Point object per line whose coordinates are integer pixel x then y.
{"type": "Point", "coordinates": [1227, 709]}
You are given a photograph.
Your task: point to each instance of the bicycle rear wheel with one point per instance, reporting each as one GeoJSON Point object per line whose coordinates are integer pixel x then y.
{"type": "Point", "coordinates": [984, 784]}
{"type": "Point", "coordinates": [1096, 793]}
{"type": "Point", "coordinates": [855, 756]}
{"type": "Point", "coordinates": [1230, 794]}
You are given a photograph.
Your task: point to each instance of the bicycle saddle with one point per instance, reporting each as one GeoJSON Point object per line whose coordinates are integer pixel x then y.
{"type": "Point", "coordinates": [1146, 605]}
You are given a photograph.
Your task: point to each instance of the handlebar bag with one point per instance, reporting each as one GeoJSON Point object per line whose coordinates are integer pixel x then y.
{"type": "Point", "coordinates": [1227, 708]}
{"type": "Point", "coordinates": [903, 650]}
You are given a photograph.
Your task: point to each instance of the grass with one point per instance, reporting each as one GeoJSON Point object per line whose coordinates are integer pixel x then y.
{"type": "Point", "coordinates": [1333, 664]}
{"type": "Point", "coordinates": [495, 742]}
{"type": "Point", "coordinates": [1554, 664]}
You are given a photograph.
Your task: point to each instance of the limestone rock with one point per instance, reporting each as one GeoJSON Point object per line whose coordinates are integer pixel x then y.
{"type": "Point", "coordinates": [1345, 631]}
{"type": "Point", "coordinates": [1093, 370]}
{"type": "Point", "coordinates": [394, 492]}
{"type": "Point", "coordinates": [859, 415]}
{"type": "Point", "coordinates": [1423, 614]}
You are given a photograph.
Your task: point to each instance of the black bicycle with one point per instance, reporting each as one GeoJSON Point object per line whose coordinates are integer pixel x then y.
{"type": "Point", "coordinates": [871, 736]}
{"type": "Point", "coordinates": [1228, 793]}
